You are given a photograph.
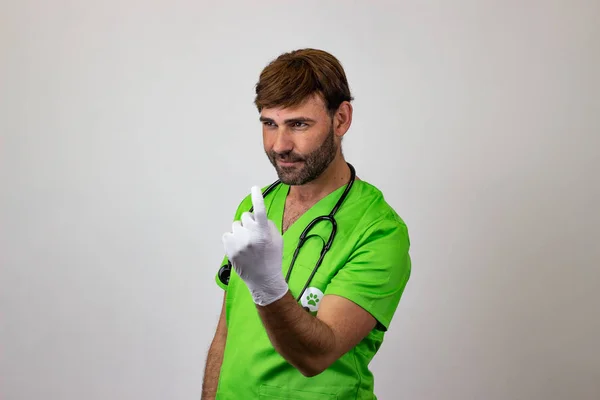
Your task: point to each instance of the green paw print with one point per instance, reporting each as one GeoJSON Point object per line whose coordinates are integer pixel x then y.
{"type": "Point", "coordinates": [312, 299]}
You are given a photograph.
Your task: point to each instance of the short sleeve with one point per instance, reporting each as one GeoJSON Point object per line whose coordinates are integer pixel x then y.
{"type": "Point", "coordinates": [378, 269]}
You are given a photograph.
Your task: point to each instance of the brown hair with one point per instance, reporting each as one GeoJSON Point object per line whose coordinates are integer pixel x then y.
{"type": "Point", "coordinates": [292, 77]}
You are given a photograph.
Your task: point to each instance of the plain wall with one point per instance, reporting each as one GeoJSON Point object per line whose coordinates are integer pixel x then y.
{"type": "Point", "coordinates": [128, 138]}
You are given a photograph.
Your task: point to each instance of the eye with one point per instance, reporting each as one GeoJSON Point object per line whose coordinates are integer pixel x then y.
{"type": "Point", "coordinates": [268, 124]}
{"type": "Point", "coordinates": [299, 124]}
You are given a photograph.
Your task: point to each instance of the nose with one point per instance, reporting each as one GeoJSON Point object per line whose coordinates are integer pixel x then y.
{"type": "Point", "coordinates": [282, 142]}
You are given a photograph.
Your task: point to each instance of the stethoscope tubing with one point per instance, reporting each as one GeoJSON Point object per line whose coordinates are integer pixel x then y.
{"type": "Point", "coordinates": [304, 235]}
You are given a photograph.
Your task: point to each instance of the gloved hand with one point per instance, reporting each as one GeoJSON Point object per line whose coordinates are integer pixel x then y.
{"type": "Point", "coordinates": [255, 249]}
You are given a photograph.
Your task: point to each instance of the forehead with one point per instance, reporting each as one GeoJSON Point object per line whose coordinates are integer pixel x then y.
{"type": "Point", "coordinates": [313, 106]}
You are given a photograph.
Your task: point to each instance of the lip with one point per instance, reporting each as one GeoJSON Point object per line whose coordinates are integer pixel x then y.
{"type": "Point", "coordinates": [288, 164]}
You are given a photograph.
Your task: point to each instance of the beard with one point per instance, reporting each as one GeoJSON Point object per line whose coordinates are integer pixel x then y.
{"type": "Point", "coordinates": [311, 165]}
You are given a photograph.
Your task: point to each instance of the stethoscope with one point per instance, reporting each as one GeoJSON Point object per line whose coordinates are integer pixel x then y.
{"type": "Point", "coordinates": [225, 270]}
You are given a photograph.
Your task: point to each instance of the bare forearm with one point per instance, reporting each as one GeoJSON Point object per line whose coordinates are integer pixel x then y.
{"type": "Point", "coordinates": [299, 337]}
{"type": "Point", "coordinates": [212, 370]}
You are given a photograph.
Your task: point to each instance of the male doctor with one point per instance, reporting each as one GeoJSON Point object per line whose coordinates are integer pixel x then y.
{"type": "Point", "coordinates": [288, 330]}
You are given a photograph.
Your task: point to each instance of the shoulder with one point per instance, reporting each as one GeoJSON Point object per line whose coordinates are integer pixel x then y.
{"type": "Point", "coordinates": [368, 202]}
{"type": "Point", "coordinates": [378, 229]}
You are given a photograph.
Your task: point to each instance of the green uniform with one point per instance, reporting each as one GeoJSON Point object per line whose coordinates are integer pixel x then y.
{"type": "Point", "coordinates": [368, 263]}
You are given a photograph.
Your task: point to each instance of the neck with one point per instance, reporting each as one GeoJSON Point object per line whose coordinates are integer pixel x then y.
{"type": "Point", "coordinates": [335, 176]}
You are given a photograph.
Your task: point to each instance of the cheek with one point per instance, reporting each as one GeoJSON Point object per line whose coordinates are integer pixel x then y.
{"type": "Point", "coordinates": [266, 140]}
{"type": "Point", "coordinates": [309, 142]}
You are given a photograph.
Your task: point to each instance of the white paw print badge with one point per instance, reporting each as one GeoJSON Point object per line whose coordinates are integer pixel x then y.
{"type": "Point", "coordinates": [311, 298]}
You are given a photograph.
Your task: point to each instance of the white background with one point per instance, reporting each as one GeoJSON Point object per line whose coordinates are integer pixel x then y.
{"type": "Point", "coordinates": [128, 138]}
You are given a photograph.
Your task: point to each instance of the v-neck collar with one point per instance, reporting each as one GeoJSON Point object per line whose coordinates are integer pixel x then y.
{"type": "Point", "coordinates": [321, 207]}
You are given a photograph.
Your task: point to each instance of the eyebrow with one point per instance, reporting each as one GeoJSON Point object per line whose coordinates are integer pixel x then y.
{"type": "Point", "coordinates": [287, 121]}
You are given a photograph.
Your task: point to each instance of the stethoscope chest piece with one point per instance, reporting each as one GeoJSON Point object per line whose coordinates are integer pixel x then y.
{"type": "Point", "coordinates": [225, 273]}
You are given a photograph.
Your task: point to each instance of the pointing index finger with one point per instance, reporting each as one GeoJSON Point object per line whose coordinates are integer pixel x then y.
{"type": "Point", "coordinates": [260, 214]}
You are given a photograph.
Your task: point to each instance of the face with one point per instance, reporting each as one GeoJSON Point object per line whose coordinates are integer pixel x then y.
{"type": "Point", "coordinates": [299, 141]}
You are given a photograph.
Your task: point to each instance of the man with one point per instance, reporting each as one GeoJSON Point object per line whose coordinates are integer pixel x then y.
{"type": "Point", "coordinates": [306, 334]}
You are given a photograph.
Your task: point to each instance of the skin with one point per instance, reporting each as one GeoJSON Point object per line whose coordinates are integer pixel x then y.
{"type": "Point", "coordinates": [311, 343]}
{"type": "Point", "coordinates": [214, 360]}
{"type": "Point", "coordinates": [299, 133]}
{"type": "Point", "coordinates": [311, 136]}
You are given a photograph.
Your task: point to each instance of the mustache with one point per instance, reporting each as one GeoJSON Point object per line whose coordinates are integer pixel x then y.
{"type": "Point", "coordinates": [286, 157]}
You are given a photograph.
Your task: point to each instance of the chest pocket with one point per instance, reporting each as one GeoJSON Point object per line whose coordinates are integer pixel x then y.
{"type": "Point", "coordinates": [302, 272]}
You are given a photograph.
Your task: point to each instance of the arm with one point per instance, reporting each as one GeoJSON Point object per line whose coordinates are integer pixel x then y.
{"type": "Point", "coordinates": [312, 344]}
{"type": "Point", "coordinates": [372, 279]}
{"type": "Point", "coordinates": [362, 295]}
{"type": "Point", "coordinates": [215, 358]}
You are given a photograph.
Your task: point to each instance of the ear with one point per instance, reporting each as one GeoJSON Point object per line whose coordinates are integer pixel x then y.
{"type": "Point", "coordinates": [342, 119]}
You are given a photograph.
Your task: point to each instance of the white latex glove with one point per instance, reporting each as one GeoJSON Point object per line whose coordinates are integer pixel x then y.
{"type": "Point", "coordinates": [255, 249]}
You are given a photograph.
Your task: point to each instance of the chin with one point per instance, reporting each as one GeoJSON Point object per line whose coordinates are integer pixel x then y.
{"type": "Point", "coordinates": [292, 176]}
{"type": "Point", "coordinates": [287, 178]}
{"type": "Point", "coordinates": [294, 180]}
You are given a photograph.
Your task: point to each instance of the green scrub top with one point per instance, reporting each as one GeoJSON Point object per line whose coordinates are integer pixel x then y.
{"type": "Point", "coordinates": [368, 263]}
